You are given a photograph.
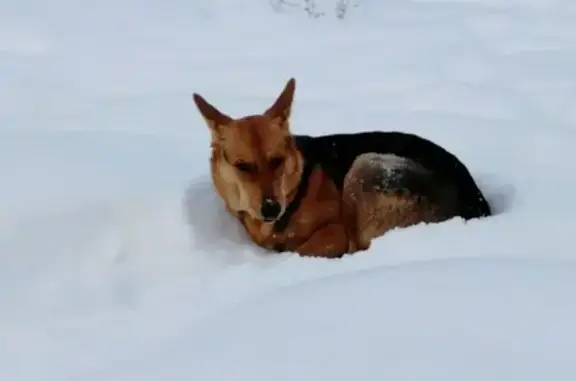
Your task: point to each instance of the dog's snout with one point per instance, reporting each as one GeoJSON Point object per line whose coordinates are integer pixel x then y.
{"type": "Point", "coordinates": [270, 209]}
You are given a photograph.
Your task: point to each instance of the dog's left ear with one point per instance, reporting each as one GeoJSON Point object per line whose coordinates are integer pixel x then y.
{"type": "Point", "coordinates": [282, 108]}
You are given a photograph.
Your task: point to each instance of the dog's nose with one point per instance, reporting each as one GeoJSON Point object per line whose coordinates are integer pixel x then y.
{"type": "Point", "coordinates": [270, 209]}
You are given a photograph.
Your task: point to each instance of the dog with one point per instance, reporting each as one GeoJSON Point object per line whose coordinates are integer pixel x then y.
{"type": "Point", "coordinates": [328, 196]}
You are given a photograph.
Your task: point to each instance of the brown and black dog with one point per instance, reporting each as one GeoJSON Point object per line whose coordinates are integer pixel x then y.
{"type": "Point", "coordinates": [331, 195]}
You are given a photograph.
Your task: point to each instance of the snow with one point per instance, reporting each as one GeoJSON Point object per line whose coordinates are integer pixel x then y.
{"type": "Point", "coordinates": [118, 262]}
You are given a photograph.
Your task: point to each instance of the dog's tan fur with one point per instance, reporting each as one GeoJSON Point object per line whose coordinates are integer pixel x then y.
{"type": "Point", "coordinates": [255, 157]}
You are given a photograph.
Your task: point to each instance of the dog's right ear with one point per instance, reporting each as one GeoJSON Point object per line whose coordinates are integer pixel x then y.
{"type": "Point", "coordinates": [282, 107]}
{"type": "Point", "coordinates": [212, 116]}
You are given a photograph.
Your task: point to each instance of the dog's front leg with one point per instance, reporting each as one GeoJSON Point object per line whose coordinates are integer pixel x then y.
{"type": "Point", "coordinates": [329, 241]}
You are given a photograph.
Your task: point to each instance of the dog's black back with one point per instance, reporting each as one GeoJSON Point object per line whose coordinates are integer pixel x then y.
{"type": "Point", "coordinates": [336, 154]}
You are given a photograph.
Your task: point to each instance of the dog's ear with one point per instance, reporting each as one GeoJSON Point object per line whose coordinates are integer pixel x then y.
{"type": "Point", "coordinates": [282, 108]}
{"type": "Point", "coordinates": [211, 114]}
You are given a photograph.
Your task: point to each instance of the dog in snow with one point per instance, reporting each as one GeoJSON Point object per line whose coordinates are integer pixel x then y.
{"type": "Point", "coordinates": [330, 195]}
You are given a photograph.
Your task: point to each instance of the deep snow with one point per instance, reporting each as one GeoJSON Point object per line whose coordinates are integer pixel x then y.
{"type": "Point", "coordinates": [117, 261]}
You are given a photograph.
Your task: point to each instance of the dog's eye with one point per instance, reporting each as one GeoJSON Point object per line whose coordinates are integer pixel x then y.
{"type": "Point", "coordinates": [245, 167]}
{"type": "Point", "coordinates": [276, 162]}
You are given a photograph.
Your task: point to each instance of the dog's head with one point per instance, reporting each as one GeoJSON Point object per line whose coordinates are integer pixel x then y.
{"type": "Point", "coordinates": [255, 156]}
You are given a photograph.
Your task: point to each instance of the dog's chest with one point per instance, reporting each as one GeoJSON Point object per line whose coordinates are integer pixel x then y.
{"type": "Point", "coordinates": [320, 206]}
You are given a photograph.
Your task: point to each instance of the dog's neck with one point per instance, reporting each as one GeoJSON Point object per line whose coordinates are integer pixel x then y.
{"type": "Point", "coordinates": [295, 196]}
{"type": "Point", "coordinates": [300, 166]}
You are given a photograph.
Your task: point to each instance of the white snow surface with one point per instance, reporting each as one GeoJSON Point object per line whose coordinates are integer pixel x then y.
{"type": "Point", "coordinates": [118, 262]}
